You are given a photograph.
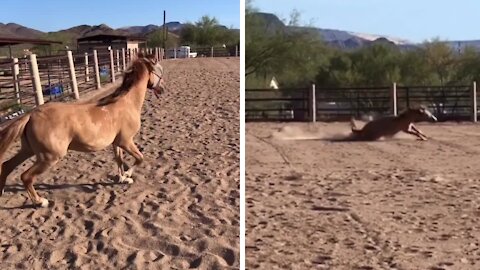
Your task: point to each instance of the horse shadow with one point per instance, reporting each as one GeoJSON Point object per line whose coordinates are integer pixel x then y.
{"type": "Point", "coordinates": [83, 187]}
{"type": "Point", "coordinates": [350, 138]}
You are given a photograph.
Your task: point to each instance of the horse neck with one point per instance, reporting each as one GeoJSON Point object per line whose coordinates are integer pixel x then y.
{"type": "Point", "coordinates": [137, 93]}
{"type": "Point", "coordinates": [409, 117]}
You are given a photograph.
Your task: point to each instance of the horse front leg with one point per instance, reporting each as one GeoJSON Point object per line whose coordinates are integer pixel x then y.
{"type": "Point", "coordinates": [413, 131]}
{"type": "Point", "coordinates": [122, 176]}
{"type": "Point", "coordinates": [132, 149]}
{"type": "Point", "coordinates": [414, 128]}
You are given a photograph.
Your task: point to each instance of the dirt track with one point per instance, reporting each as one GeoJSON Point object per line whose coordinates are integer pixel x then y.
{"type": "Point", "coordinates": [182, 211]}
{"type": "Point", "coordinates": [396, 204]}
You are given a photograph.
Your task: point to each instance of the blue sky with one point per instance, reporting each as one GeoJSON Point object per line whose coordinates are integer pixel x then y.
{"type": "Point", "coordinates": [415, 20]}
{"type": "Point", "coordinates": [53, 15]}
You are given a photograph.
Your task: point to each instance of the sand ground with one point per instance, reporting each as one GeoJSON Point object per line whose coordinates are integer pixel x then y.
{"type": "Point", "coordinates": [182, 211]}
{"type": "Point", "coordinates": [393, 204]}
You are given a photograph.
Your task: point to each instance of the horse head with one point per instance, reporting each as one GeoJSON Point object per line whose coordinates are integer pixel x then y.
{"type": "Point", "coordinates": [156, 81]}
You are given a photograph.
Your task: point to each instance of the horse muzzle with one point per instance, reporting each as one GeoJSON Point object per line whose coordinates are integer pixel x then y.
{"type": "Point", "coordinates": [159, 88]}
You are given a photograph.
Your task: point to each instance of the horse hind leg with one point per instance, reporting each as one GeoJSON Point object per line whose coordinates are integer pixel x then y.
{"type": "Point", "coordinates": [29, 176]}
{"type": "Point", "coordinates": [354, 127]}
{"type": "Point", "coordinates": [8, 166]}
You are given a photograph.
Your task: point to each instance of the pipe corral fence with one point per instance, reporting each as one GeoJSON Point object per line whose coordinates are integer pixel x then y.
{"type": "Point", "coordinates": [31, 81]}
{"type": "Point", "coordinates": [448, 103]}
{"type": "Point", "coordinates": [222, 51]}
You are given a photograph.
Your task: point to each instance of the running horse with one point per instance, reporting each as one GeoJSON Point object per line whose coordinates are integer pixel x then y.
{"type": "Point", "coordinates": [85, 127]}
{"type": "Point", "coordinates": [388, 126]}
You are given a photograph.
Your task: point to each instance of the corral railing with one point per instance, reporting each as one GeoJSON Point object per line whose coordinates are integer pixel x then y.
{"type": "Point", "coordinates": [228, 51]}
{"type": "Point", "coordinates": [456, 102]}
{"type": "Point", "coordinates": [31, 81]}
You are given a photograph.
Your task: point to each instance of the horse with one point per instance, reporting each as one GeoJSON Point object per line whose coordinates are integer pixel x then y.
{"type": "Point", "coordinates": [85, 127]}
{"type": "Point", "coordinates": [390, 125]}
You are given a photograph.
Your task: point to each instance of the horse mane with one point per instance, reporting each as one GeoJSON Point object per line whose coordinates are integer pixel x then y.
{"type": "Point", "coordinates": [132, 75]}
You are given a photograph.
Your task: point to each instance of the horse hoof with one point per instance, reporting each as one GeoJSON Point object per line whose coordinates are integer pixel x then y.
{"type": "Point", "coordinates": [43, 203]}
{"type": "Point", "coordinates": [125, 179]}
{"type": "Point", "coordinates": [1, 192]}
{"type": "Point", "coordinates": [128, 180]}
{"type": "Point", "coordinates": [128, 173]}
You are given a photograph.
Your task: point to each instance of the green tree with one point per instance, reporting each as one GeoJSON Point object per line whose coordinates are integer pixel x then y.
{"type": "Point", "coordinates": [440, 60]}
{"type": "Point", "coordinates": [207, 32]}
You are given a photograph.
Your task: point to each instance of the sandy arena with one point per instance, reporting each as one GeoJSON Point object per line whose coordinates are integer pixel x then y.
{"type": "Point", "coordinates": [182, 211]}
{"type": "Point", "coordinates": [396, 204]}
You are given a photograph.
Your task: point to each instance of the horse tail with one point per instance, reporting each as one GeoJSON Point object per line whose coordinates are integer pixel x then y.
{"type": "Point", "coordinates": [11, 133]}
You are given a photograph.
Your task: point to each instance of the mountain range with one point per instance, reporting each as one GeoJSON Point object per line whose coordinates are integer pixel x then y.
{"type": "Point", "coordinates": [338, 38]}
{"type": "Point", "coordinates": [350, 40]}
{"type": "Point", "coordinates": [20, 31]}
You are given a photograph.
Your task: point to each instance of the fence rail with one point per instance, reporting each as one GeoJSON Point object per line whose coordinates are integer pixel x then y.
{"type": "Point", "coordinates": [228, 51]}
{"type": "Point", "coordinates": [457, 102]}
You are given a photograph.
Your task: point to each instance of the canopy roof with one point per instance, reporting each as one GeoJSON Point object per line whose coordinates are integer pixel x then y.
{"type": "Point", "coordinates": [7, 41]}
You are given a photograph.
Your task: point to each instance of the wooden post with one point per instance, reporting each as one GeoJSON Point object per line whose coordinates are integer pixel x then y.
{"type": "Point", "coordinates": [97, 72]}
{"type": "Point", "coordinates": [474, 102]}
{"type": "Point", "coordinates": [118, 61]}
{"type": "Point", "coordinates": [236, 51]}
{"type": "Point", "coordinates": [16, 83]}
{"type": "Point", "coordinates": [129, 56]}
{"type": "Point", "coordinates": [112, 67]}
{"type": "Point", "coordinates": [123, 58]}
{"type": "Point", "coordinates": [313, 104]}
{"type": "Point", "coordinates": [211, 53]}
{"type": "Point", "coordinates": [73, 77]}
{"type": "Point", "coordinates": [87, 71]}
{"type": "Point", "coordinates": [37, 85]}
{"type": "Point", "coordinates": [174, 52]}
{"type": "Point", "coordinates": [394, 99]}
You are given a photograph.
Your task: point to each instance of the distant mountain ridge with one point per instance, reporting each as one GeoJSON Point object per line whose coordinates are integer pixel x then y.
{"type": "Point", "coordinates": [19, 31]}
{"type": "Point", "coordinates": [352, 40]}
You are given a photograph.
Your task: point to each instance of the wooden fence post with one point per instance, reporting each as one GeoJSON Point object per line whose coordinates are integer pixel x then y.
{"type": "Point", "coordinates": [73, 77]}
{"type": "Point", "coordinates": [118, 61]}
{"type": "Point", "coordinates": [87, 71]}
{"type": "Point", "coordinates": [313, 104]}
{"type": "Point", "coordinates": [16, 84]}
{"type": "Point", "coordinates": [112, 67]}
{"type": "Point", "coordinates": [123, 59]}
{"type": "Point", "coordinates": [236, 51]}
{"type": "Point", "coordinates": [174, 52]}
{"type": "Point", "coordinates": [394, 99]}
{"type": "Point", "coordinates": [37, 85]}
{"type": "Point", "coordinates": [97, 72]}
{"type": "Point", "coordinates": [211, 51]}
{"type": "Point", "coordinates": [474, 102]}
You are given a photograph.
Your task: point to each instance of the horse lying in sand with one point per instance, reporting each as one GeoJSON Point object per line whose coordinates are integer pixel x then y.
{"type": "Point", "coordinates": [88, 127]}
{"type": "Point", "coordinates": [390, 125]}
